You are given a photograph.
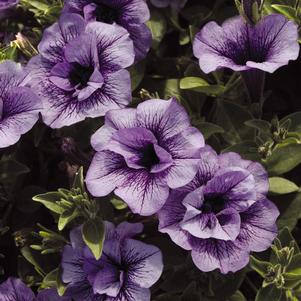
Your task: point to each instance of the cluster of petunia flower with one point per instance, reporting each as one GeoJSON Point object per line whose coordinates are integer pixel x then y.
{"type": "Point", "coordinates": [151, 157]}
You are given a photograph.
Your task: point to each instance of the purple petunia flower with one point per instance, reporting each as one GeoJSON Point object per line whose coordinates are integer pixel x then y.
{"type": "Point", "coordinates": [80, 70]}
{"type": "Point", "coordinates": [240, 46]}
{"type": "Point", "coordinates": [19, 106]}
{"type": "Point", "coordinates": [125, 271]}
{"type": "Point", "coordinates": [237, 45]}
{"type": "Point", "coordinates": [174, 4]}
{"type": "Point", "coordinates": [143, 152]}
{"type": "Point", "coordinates": [223, 214]}
{"type": "Point", "coordinates": [15, 290]}
{"type": "Point", "coordinates": [129, 14]}
{"type": "Point", "coordinates": [6, 6]}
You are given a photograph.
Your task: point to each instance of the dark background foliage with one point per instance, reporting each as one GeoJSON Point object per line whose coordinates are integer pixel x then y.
{"type": "Point", "coordinates": [45, 160]}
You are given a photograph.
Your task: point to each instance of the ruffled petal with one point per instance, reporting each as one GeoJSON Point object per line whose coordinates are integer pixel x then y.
{"type": "Point", "coordinates": [144, 261]}
{"type": "Point", "coordinates": [105, 173]}
{"type": "Point", "coordinates": [59, 34]}
{"type": "Point", "coordinates": [164, 118]}
{"type": "Point", "coordinates": [15, 290]}
{"type": "Point", "coordinates": [259, 225]}
{"type": "Point", "coordinates": [145, 193]}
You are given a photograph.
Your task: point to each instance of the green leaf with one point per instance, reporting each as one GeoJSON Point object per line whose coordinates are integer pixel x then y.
{"type": "Point", "coordinates": [282, 186]}
{"type": "Point", "coordinates": [285, 10]}
{"type": "Point", "coordinates": [60, 286]}
{"type": "Point", "coordinates": [247, 149]}
{"type": "Point", "coordinates": [118, 204]}
{"type": "Point", "coordinates": [158, 26]}
{"type": "Point", "coordinates": [231, 117]}
{"type": "Point", "coordinates": [261, 125]}
{"type": "Point", "coordinates": [225, 286]}
{"type": "Point", "coordinates": [200, 85]}
{"type": "Point", "coordinates": [295, 122]}
{"type": "Point", "coordinates": [50, 280]}
{"type": "Point", "coordinates": [93, 235]}
{"type": "Point", "coordinates": [295, 265]}
{"type": "Point", "coordinates": [261, 267]}
{"type": "Point", "coordinates": [79, 180]}
{"type": "Point", "coordinates": [66, 217]}
{"type": "Point", "coordinates": [137, 74]}
{"type": "Point", "coordinates": [10, 168]}
{"type": "Point", "coordinates": [191, 293]}
{"type": "Point", "coordinates": [30, 256]}
{"type": "Point", "coordinates": [50, 201]}
{"type": "Point", "coordinates": [286, 238]}
{"type": "Point", "coordinates": [237, 296]}
{"type": "Point", "coordinates": [269, 293]}
{"type": "Point", "coordinates": [290, 208]}
{"type": "Point", "coordinates": [208, 129]}
{"type": "Point", "coordinates": [284, 159]}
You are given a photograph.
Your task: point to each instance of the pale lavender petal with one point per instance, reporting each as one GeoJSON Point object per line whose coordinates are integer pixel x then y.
{"type": "Point", "coordinates": [143, 192]}
{"type": "Point", "coordinates": [145, 262]}
{"type": "Point", "coordinates": [105, 173]}
{"type": "Point", "coordinates": [211, 254]}
{"type": "Point", "coordinates": [166, 118]}
{"type": "Point", "coordinates": [59, 34]}
{"type": "Point", "coordinates": [258, 225]}
{"type": "Point", "coordinates": [115, 48]}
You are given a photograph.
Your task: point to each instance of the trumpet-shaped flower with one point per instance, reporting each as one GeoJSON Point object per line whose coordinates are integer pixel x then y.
{"type": "Point", "coordinates": [80, 71]}
{"type": "Point", "coordinates": [125, 271]}
{"type": "Point", "coordinates": [129, 14]}
{"type": "Point", "coordinates": [19, 106]}
{"type": "Point", "coordinates": [223, 214]}
{"type": "Point", "coordinates": [143, 152]}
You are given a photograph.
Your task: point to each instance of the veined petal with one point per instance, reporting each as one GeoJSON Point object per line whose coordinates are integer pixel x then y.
{"type": "Point", "coordinates": [106, 172]}
{"type": "Point", "coordinates": [59, 34]}
{"type": "Point", "coordinates": [259, 225]}
{"type": "Point", "coordinates": [145, 262]}
{"type": "Point", "coordinates": [15, 290]}
{"type": "Point", "coordinates": [115, 48]}
{"type": "Point", "coordinates": [165, 118]}
{"type": "Point", "coordinates": [145, 193]}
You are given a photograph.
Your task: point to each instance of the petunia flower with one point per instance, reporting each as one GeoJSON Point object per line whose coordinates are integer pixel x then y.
{"type": "Point", "coordinates": [125, 271]}
{"type": "Point", "coordinates": [143, 152]}
{"type": "Point", "coordinates": [251, 49]}
{"type": "Point", "coordinates": [19, 106]}
{"type": "Point", "coordinates": [80, 71]}
{"type": "Point", "coordinates": [129, 14]}
{"type": "Point", "coordinates": [6, 7]}
{"type": "Point", "coordinates": [174, 4]}
{"type": "Point", "coordinates": [223, 214]}
{"type": "Point", "coordinates": [14, 289]}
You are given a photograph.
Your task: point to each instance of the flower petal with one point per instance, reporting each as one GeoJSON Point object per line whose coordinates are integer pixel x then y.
{"type": "Point", "coordinates": [59, 34]}
{"type": "Point", "coordinates": [105, 173]}
{"type": "Point", "coordinates": [211, 254]}
{"type": "Point", "coordinates": [20, 112]}
{"type": "Point", "coordinates": [144, 261]}
{"type": "Point", "coordinates": [165, 118]}
{"type": "Point", "coordinates": [15, 290]}
{"type": "Point", "coordinates": [145, 193]}
{"type": "Point", "coordinates": [258, 225]}
{"type": "Point", "coordinates": [170, 216]}
{"type": "Point", "coordinates": [114, 120]}
{"type": "Point", "coordinates": [115, 48]}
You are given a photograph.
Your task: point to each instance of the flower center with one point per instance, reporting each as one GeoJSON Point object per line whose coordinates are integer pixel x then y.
{"type": "Point", "coordinates": [248, 50]}
{"type": "Point", "coordinates": [213, 204]}
{"type": "Point", "coordinates": [149, 157]}
{"type": "Point", "coordinates": [106, 14]}
{"type": "Point", "coordinates": [80, 75]}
